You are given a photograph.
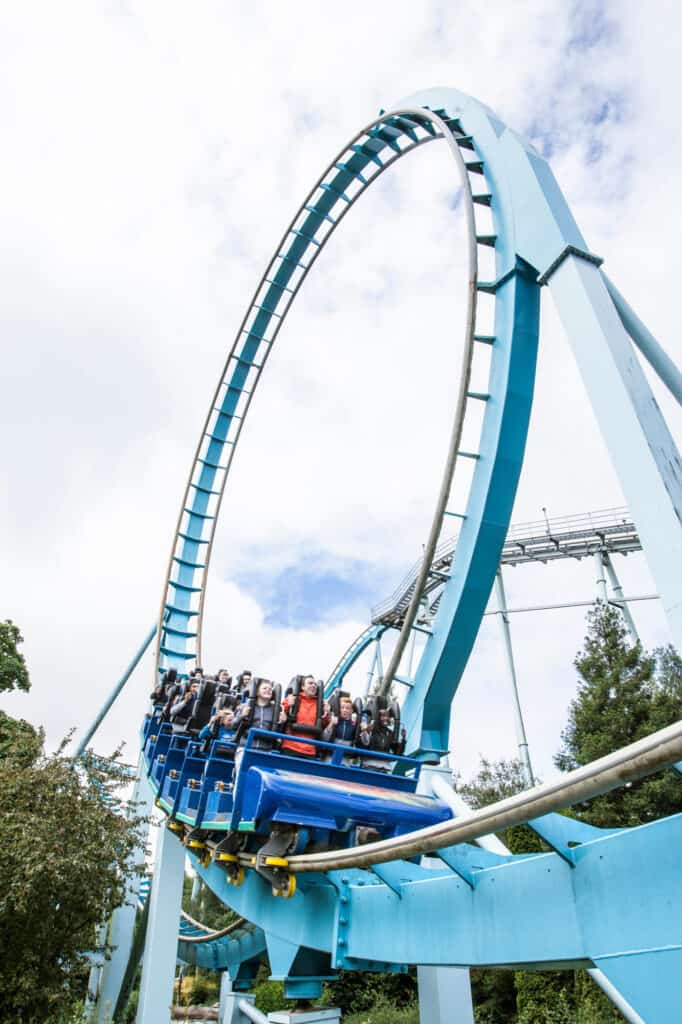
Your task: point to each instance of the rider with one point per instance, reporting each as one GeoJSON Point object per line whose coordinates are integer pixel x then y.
{"type": "Point", "coordinates": [303, 709]}
{"type": "Point", "coordinates": [241, 687]}
{"type": "Point", "coordinates": [181, 710]}
{"type": "Point", "coordinates": [342, 728]}
{"type": "Point", "coordinates": [259, 715]}
{"type": "Point", "coordinates": [160, 692]}
{"type": "Point", "coordinates": [220, 726]}
{"type": "Point", "coordinates": [380, 735]}
{"type": "Point", "coordinates": [260, 712]}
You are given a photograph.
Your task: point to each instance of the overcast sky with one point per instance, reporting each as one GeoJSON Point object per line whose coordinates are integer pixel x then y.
{"type": "Point", "coordinates": [153, 154]}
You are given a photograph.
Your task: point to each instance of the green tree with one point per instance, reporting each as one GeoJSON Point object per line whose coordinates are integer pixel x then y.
{"type": "Point", "coordinates": [64, 860]}
{"type": "Point", "coordinates": [206, 907]}
{"type": "Point", "coordinates": [65, 857]}
{"type": "Point", "coordinates": [624, 694]}
{"type": "Point", "coordinates": [497, 780]}
{"type": "Point", "coordinates": [20, 739]}
{"type": "Point", "coordinates": [13, 671]}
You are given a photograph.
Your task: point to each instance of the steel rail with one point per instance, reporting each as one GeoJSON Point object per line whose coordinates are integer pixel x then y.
{"type": "Point", "coordinates": [388, 163]}
{"type": "Point", "coordinates": [197, 924]}
{"type": "Point", "coordinates": [210, 936]}
{"type": "Point", "coordinates": [372, 634]}
{"type": "Point", "coordinates": [661, 749]}
{"type": "Point", "coordinates": [421, 115]}
{"type": "Point", "coordinates": [458, 420]}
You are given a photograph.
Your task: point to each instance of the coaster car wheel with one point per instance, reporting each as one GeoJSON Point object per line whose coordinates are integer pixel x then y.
{"type": "Point", "coordinates": [288, 888]}
{"type": "Point", "coordinates": [235, 875]}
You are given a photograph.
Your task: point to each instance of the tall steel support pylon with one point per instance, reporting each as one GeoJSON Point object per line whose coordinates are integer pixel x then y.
{"type": "Point", "coordinates": [602, 592]}
{"type": "Point", "coordinates": [376, 668]}
{"type": "Point", "coordinates": [619, 597]}
{"type": "Point", "coordinates": [161, 945]}
{"type": "Point", "coordinates": [642, 450]}
{"type": "Point", "coordinates": [122, 923]}
{"type": "Point", "coordinates": [521, 739]}
{"type": "Point", "coordinates": [444, 992]}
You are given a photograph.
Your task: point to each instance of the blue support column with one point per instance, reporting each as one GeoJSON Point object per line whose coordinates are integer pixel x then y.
{"type": "Point", "coordinates": [656, 356]}
{"type": "Point", "coordinates": [123, 918]}
{"type": "Point", "coordinates": [444, 992]}
{"type": "Point", "coordinates": [521, 739]}
{"type": "Point", "coordinates": [161, 947]}
{"type": "Point", "coordinates": [642, 450]}
{"type": "Point", "coordinates": [649, 981]}
{"type": "Point", "coordinates": [230, 1012]}
{"type": "Point", "coordinates": [444, 995]}
{"type": "Point", "coordinates": [101, 714]}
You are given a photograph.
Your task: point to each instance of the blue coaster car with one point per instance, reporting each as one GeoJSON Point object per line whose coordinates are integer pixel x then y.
{"type": "Point", "coordinates": [315, 801]}
{"type": "Point", "coordinates": [338, 795]}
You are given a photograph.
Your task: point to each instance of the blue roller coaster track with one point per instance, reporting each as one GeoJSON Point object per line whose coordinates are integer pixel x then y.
{"type": "Point", "coordinates": [433, 897]}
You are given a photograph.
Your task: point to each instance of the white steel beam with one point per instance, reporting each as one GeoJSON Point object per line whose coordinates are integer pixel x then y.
{"type": "Point", "coordinates": [161, 946]}
{"type": "Point", "coordinates": [642, 450]}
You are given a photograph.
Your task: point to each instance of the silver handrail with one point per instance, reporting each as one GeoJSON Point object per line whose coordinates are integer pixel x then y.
{"type": "Point", "coordinates": [660, 750]}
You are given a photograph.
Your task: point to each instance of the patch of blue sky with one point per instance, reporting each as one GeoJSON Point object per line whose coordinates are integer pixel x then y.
{"type": "Point", "coordinates": [543, 138]}
{"type": "Point", "coordinates": [605, 105]}
{"type": "Point", "coordinates": [304, 596]}
{"type": "Point", "coordinates": [593, 151]}
{"type": "Point", "coordinates": [456, 199]}
{"type": "Point", "coordinates": [594, 109]}
{"type": "Point", "coordinates": [591, 26]}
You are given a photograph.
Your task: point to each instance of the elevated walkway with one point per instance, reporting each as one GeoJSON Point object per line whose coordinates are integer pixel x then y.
{"type": "Point", "coordinates": [579, 536]}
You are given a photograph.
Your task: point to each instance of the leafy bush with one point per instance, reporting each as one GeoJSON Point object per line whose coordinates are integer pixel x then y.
{"type": "Point", "coordinates": [202, 990]}
{"type": "Point", "coordinates": [131, 1007]}
{"type": "Point", "coordinates": [360, 991]}
{"type": "Point", "coordinates": [270, 996]}
{"type": "Point", "coordinates": [64, 861]}
{"type": "Point", "coordinates": [385, 1012]}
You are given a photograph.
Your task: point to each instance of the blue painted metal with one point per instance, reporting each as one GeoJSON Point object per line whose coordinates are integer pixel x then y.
{"type": "Point", "coordinates": [226, 953]}
{"type": "Point", "coordinates": [92, 729]}
{"type": "Point", "coordinates": [342, 802]}
{"type": "Point", "coordinates": [160, 951]}
{"type": "Point", "coordinates": [426, 711]}
{"type": "Point", "coordinates": [644, 454]}
{"type": "Point", "coordinates": [333, 795]}
{"type": "Point", "coordinates": [444, 992]}
{"type": "Point", "coordinates": [299, 247]}
{"type": "Point", "coordinates": [646, 343]}
{"type": "Point", "coordinates": [369, 636]}
{"type": "Point", "coordinates": [608, 903]}
{"type": "Point", "coordinates": [122, 923]}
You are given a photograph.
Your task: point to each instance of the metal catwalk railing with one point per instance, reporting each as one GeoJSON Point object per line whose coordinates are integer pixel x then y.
{"type": "Point", "coordinates": [544, 540]}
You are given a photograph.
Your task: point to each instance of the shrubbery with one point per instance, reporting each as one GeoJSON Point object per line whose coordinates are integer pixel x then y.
{"type": "Point", "coordinates": [64, 861]}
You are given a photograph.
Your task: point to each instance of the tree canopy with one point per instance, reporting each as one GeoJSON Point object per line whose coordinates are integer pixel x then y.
{"type": "Point", "coordinates": [64, 859]}
{"type": "Point", "coordinates": [13, 671]}
{"type": "Point", "coordinates": [624, 693]}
